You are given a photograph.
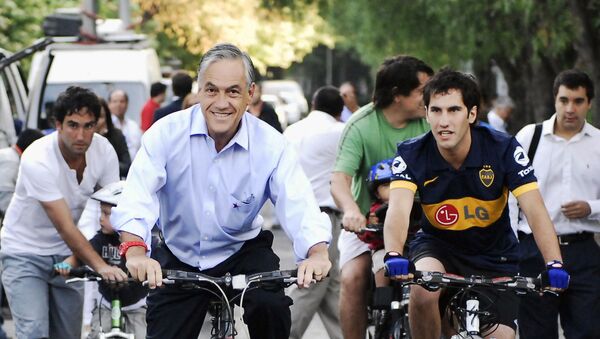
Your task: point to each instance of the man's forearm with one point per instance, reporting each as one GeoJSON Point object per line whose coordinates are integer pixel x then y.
{"type": "Point", "coordinates": [81, 248]}
{"type": "Point", "coordinates": [341, 184]}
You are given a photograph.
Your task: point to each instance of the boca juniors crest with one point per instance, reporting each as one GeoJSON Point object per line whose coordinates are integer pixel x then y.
{"type": "Point", "coordinates": [486, 175]}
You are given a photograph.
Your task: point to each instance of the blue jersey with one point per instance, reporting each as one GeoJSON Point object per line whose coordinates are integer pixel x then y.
{"type": "Point", "coordinates": [466, 209]}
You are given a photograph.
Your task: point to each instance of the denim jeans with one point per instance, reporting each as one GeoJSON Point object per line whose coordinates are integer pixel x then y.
{"type": "Point", "coordinates": [42, 304]}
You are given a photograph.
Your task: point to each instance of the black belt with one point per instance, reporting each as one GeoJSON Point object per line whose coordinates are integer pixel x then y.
{"type": "Point", "coordinates": [564, 239]}
{"type": "Point", "coordinates": [330, 210]}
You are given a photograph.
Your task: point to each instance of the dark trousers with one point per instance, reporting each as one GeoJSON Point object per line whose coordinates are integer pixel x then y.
{"type": "Point", "coordinates": [578, 306]}
{"type": "Point", "coordinates": [178, 313]}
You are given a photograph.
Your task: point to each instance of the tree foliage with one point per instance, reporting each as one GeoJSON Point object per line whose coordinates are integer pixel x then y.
{"type": "Point", "coordinates": [272, 36]}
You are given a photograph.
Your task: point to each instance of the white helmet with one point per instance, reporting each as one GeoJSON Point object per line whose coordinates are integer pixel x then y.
{"type": "Point", "coordinates": [110, 193]}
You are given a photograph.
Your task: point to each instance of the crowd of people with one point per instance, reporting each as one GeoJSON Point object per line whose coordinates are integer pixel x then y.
{"type": "Point", "coordinates": [476, 201]}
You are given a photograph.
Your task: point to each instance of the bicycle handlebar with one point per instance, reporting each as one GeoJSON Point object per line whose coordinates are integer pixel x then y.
{"type": "Point", "coordinates": [239, 281]}
{"type": "Point", "coordinates": [436, 280]}
{"type": "Point", "coordinates": [84, 273]}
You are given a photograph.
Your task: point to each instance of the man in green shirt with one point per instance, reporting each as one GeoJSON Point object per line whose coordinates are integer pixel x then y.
{"type": "Point", "coordinates": [370, 136]}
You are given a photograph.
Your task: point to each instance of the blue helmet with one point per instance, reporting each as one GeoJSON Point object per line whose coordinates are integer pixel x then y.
{"type": "Point", "coordinates": [380, 173]}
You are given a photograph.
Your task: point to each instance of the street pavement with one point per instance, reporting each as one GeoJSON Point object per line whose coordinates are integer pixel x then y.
{"type": "Point", "coordinates": [283, 247]}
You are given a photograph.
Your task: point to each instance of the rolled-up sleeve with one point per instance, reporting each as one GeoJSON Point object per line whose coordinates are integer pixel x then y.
{"type": "Point", "coordinates": [138, 208]}
{"type": "Point", "coordinates": [296, 206]}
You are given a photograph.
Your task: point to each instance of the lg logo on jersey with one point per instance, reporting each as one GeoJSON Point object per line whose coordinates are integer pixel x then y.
{"type": "Point", "coordinates": [448, 215]}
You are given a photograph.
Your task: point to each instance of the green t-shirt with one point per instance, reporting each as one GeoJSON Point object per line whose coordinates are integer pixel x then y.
{"type": "Point", "coordinates": [367, 139]}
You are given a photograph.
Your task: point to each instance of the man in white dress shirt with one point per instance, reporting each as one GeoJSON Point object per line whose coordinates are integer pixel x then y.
{"type": "Point", "coordinates": [567, 166]}
{"type": "Point", "coordinates": [316, 140]}
{"type": "Point", "coordinates": [117, 103]}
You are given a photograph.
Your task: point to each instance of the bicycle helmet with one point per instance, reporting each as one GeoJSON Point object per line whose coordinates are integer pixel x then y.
{"type": "Point", "coordinates": [109, 194]}
{"type": "Point", "coordinates": [380, 173]}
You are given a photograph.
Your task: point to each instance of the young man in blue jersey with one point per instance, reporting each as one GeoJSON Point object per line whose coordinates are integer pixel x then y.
{"type": "Point", "coordinates": [463, 173]}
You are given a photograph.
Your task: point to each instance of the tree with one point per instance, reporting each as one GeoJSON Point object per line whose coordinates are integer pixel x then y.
{"type": "Point", "coordinates": [271, 36]}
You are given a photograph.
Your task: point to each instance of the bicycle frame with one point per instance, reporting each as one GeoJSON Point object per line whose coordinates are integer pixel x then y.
{"type": "Point", "coordinates": [115, 312]}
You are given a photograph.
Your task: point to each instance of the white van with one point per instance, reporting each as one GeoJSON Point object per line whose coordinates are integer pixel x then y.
{"type": "Point", "coordinates": [102, 67]}
{"type": "Point", "coordinates": [13, 100]}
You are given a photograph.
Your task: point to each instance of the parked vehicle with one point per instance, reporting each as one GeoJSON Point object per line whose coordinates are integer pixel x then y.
{"type": "Point", "coordinates": [128, 63]}
{"type": "Point", "coordinates": [290, 93]}
{"type": "Point", "coordinates": [13, 97]}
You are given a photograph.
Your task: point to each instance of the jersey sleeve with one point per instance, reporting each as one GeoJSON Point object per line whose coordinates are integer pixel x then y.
{"type": "Point", "coordinates": [520, 177]}
{"type": "Point", "coordinates": [402, 172]}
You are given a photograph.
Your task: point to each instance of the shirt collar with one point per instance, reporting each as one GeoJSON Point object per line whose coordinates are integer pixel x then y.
{"type": "Point", "coordinates": [548, 127]}
{"type": "Point", "coordinates": [473, 159]}
{"type": "Point", "coordinates": [199, 127]}
{"type": "Point", "coordinates": [322, 115]}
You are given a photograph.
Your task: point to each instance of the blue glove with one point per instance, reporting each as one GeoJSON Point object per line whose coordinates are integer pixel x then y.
{"type": "Point", "coordinates": [396, 264]}
{"type": "Point", "coordinates": [557, 275]}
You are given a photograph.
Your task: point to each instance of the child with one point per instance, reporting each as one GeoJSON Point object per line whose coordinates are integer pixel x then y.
{"type": "Point", "coordinates": [106, 243]}
{"type": "Point", "coordinates": [378, 183]}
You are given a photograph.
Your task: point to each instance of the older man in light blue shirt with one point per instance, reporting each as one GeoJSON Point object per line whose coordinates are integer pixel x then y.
{"type": "Point", "coordinates": [204, 173]}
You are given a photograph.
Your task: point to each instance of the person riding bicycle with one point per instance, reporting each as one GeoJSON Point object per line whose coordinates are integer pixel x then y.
{"type": "Point", "coordinates": [463, 173]}
{"type": "Point", "coordinates": [106, 244]}
{"type": "Point", "coordinates": [204, 173]}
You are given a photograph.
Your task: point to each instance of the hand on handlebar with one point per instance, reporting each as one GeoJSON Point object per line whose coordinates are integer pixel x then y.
{"type": "Point", "coordinates": [112, 273]}
{"type": "Point", "coordinates": [143, 268]}
{"type": "Point", "coordinates": [63, 268]}
{"type": "Point", "coordinates": [398, 267]}
{"type": "Point", "coordinates": [353, 221]}
{"type": "Point", "coordinates": [555, 277]}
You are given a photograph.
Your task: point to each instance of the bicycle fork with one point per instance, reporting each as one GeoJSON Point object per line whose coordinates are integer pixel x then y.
{"type": "Point", "coordinates": [222, 322]}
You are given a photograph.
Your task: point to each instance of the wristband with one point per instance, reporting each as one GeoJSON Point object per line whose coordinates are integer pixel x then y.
{"type": "Point", "coordinates": [124, 247]}
{"type": "Point", "coordinates": [392, 254]}
{"type": "Point", "coordinates": [554, 264]}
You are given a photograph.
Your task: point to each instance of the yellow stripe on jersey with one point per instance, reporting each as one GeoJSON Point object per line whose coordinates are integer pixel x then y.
{"type": "Point", "coordinates": [465, 213]}
{"type": "Point", "coordinates": [403, 184]}
{"type": "Point", "coordinates": [524, 189]}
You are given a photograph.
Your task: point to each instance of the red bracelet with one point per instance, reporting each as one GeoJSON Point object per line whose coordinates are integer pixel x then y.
{"type": "Point", "coordinates": [126, 245]}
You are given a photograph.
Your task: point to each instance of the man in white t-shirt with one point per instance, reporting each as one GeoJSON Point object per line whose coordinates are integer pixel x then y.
{"type": "Point", "coordinates": [57, 175]}
{"type": "Point", "coordinates": [118, 101]}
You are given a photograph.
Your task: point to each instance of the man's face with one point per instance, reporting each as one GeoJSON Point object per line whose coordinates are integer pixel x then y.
{"type": "Point", "coordinates": [349, 95]}
{"type": "Point", "coordinates": [413, 104]}
{"type": "Point", "coordinates": [117, 104]}
{"type": "Point", "coordinates": [449, 120]}
{"type": "Point", "coordinates": [76, 132]}
{"type": "Point", "coordinates": [224, 97]}
{"type": "Point", "coordinates": [571, 106]}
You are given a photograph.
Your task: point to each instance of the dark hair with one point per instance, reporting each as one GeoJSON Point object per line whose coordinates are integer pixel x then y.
{"type": "Point", "coordinates": [398, 75]}
{"type": "Point", "coordinates": [181, 83]}
{"type": "Point", "coordinates": [27, 137]}
{"type": "Point", "coordinates": [118, 90]}
{"type": "Point", "coordinates": [573, 79]}
{"type": "Point", "coordinates": [109, 124]}
{"type": "Point", "coordinates": [328, 100]}
{"type": "Point", "coordinates": [157, 89]}
{"type": "Point", "coordinates": [73, 99]}
{"type": "Point", "coordinates": [446, 80]}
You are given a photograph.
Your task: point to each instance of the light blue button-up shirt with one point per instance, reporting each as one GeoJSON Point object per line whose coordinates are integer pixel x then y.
{"type": "Point", "coordinates": [208, 201]}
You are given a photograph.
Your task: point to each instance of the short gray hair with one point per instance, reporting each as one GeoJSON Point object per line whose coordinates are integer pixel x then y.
{"type": "Point", "coordinates": [504, 102]}
{"type": "Point", "coordinates": [226, 51]}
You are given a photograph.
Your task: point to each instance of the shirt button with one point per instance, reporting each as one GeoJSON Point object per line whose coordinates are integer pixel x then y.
{"type": "Point", "coordinates": [207, 213]}
{"type": "Point", "coordinates": [205, 238]}
{"type": "Point", "coordinates": [211, 187]}
{"type": "Point", "coordinates": [203, 257]}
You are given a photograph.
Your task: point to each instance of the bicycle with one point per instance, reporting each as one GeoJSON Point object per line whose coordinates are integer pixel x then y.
{"type": "Point", "coordinates": [221, 310]}
{"type": "Point", "coordinates": [387, 309]}
{"type": "Point", "coordinates": [86, 274]}
{"type": "Point", "coordinates": [463, 310]}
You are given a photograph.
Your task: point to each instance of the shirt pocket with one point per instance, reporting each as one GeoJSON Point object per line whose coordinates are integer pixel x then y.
{"type": "Point", "coordinates": [240, 214]}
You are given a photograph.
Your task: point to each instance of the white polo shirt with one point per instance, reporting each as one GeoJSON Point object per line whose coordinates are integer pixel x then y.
{"type": "Point", "coordinates": [45, 176]}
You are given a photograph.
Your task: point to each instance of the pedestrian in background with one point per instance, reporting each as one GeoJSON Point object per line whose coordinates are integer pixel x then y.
{"type": "Point", "coordinates": [158, 93]}
{"type": "Point", "coordinates": [181, 83]}
{"type": "Point", "coordinates": [118, 101]}
{"type": "Point", "coordinates": [316, 139]}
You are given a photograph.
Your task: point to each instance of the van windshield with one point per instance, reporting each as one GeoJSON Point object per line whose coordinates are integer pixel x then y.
{"type": "Point", "coordinates": [135, 91]}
